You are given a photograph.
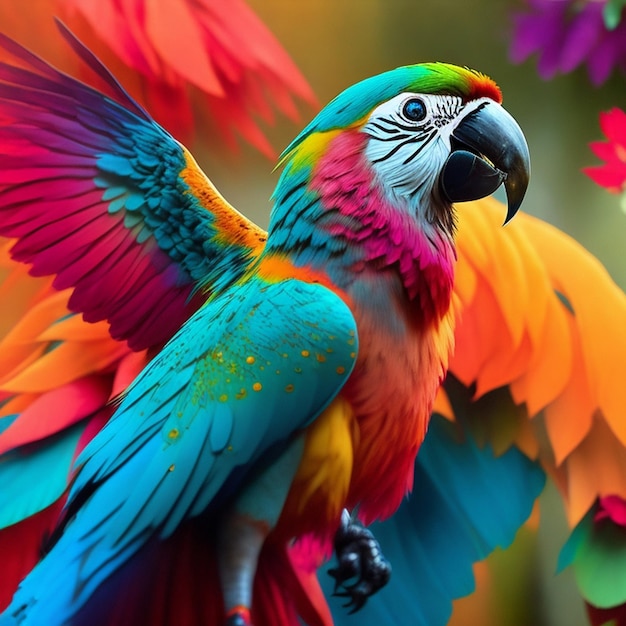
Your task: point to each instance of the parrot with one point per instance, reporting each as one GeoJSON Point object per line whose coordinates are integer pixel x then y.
{"type": "Point", "coordinates": [582, 348]}
{"type": "Point", "coordinates": [291, 374]}
{"type": "Point", "coordinates": [46, 370]}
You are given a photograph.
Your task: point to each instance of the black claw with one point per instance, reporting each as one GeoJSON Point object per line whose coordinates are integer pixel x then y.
{"type": "Point", "coordinates": [362, 569]}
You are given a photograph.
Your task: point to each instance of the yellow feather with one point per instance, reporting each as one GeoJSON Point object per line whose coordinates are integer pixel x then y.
{"type": "Point", "coordinates": [321, 484]}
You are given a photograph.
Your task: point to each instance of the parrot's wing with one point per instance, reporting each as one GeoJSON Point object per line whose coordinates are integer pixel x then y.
{"type": "Point", "coordinates": [536, 384]}
{"type": "Point", "coordinates": [76, 219]}
{"type": "Point", "coordinates": [242, 376]}
{"type": "Point", "coordinates": [101, 196]}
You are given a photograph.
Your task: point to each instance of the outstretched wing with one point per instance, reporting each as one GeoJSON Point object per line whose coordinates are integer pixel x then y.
{"type": "Point", "coordinates": [230, 388]}
{"type": "Point", "coordinates": [102, 197]}
{"type": "Point", "coordinates": [99, 197]}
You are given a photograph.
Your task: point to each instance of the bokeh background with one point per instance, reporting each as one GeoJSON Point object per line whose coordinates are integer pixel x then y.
{"type": "Point", "coordinates": [338, 42]}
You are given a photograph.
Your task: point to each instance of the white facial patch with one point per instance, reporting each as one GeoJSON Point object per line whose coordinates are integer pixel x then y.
{"type": "Point", "coordinates": [410, 141]}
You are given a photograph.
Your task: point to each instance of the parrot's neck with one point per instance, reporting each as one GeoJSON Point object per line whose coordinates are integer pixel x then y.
{"type": "Point", "coordinates": [334, 217]}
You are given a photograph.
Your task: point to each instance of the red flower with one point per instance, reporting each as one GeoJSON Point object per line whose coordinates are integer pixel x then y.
{"type": "Point", "coordinates": [612, 174]}
{"type": "Point", "coordinates": [611, 507]}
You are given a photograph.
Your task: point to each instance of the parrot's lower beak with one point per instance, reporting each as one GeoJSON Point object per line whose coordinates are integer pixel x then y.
{"type": "Point", "coordinates": [488, 149]}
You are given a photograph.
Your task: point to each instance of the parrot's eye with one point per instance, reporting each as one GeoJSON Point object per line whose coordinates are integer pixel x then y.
{"type": "Point", "coordinates": [414, 110]}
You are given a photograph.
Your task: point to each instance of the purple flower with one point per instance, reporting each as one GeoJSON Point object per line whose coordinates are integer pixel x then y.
{"type": "Point", "coordinates": [568, 33]}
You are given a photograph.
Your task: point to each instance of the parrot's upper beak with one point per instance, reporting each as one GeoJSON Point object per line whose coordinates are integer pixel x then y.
{"type": "Point", "coordinates": [488, 149]}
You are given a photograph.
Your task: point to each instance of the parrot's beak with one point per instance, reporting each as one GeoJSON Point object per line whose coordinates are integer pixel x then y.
{"type": "Point", "coordinates": [488, 149]}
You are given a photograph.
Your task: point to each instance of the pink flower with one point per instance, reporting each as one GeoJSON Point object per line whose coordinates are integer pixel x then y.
{"type": "Point", "coordinates": [568, 33]}
{"type": "Point", "coordinates": [611, 507]}
{"type": "Point", "coordinates": [612, 174]}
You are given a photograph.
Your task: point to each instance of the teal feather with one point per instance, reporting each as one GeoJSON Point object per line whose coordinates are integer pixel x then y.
{"type": "Point", "coordinates": [449, 522]}
{"type": "Point", "coordinates": [32, 479]}
{"type": "Point", "coordinates": [7, 420]}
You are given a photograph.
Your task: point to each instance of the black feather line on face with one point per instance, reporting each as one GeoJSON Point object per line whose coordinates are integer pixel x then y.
{"type": "Point", "coordinates": [399, 146]}
{"type": "Point", "coordinates": [408, 127]}
{"type": "Point", "coordinates": [428, 139]}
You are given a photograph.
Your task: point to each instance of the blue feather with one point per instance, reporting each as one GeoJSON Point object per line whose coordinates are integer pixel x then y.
{"type": "Point", "coordinates": [466, 502]}
{"type": "Point", "coordinates": [31, 481]}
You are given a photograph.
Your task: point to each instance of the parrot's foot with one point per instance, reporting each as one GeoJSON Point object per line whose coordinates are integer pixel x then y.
{"type": "Point", "coordinates": [239, 616]}
{"type": "Point", "coordinates": [360, 560]}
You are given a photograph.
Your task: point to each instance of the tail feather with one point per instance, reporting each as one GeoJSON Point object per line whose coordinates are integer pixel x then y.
{"type": "Point", "coordinates": [174, 582]}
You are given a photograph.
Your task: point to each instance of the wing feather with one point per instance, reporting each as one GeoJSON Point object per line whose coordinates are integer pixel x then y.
{"type": "Point", "coordinates": [90, 184]}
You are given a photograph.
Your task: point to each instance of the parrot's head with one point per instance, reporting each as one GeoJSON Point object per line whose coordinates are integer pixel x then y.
{"type": "Point", "coordinates": [387, 159]}
{"type": "Point", "coordinates": [432, 129]}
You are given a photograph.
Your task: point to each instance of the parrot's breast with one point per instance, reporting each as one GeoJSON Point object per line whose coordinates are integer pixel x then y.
{"type": "Point", "coordinates": [400, 367]}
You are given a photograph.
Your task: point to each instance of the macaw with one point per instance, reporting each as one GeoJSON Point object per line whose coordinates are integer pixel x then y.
{"type": "Point", "coordinates": [292, 373]}
{"type": "Point", "coordinates": [111, 366]}
{"type": "Point", "coordinates": [579, 341]}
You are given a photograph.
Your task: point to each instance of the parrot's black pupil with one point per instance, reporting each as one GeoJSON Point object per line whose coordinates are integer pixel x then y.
{"type": "Point", "coordinates": [414, 110]}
